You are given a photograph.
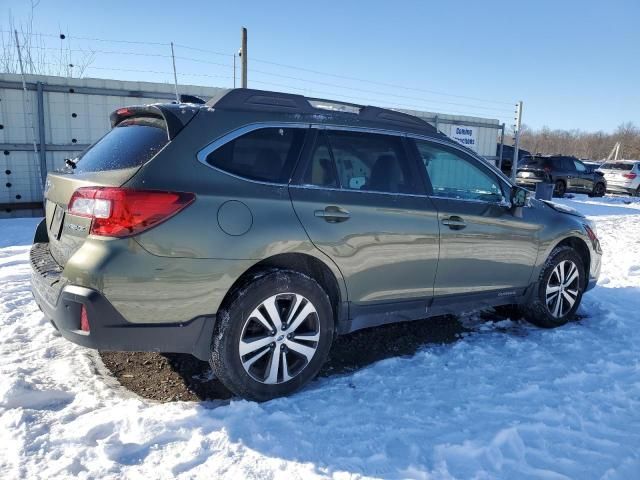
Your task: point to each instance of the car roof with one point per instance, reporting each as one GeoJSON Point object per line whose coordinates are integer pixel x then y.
{"type": "Point", "coordinates": [318, 110]}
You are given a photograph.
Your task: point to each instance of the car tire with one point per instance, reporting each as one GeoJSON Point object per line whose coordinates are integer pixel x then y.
{"type": "Point", "coordinates": [560, 188]}
{"type": "Point", "coordinates": [258, 364]}
{"type": "Point", "coordinates": [598, 190]}
{"type": "Point", "coordinates": [556, 284]}
{"type": "Point", "coordinates": [637, 194]}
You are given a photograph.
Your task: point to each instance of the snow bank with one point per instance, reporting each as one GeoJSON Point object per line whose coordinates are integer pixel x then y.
{"type": "Point", "coordinates": [506, 400]}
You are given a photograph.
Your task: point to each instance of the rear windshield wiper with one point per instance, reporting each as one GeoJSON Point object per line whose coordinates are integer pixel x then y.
{"type": "Point", "coordinates": [70, 163]}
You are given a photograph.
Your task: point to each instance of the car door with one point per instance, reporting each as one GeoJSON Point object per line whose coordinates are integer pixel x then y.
{"type": "Point", "coordinates": [362, 203]}
{"type": "Point", "coordinates": [583, 175]}
{"type": "Point", "coordinates": [487, 249]}
{"type": "Point", "coordinates": [574, 181]}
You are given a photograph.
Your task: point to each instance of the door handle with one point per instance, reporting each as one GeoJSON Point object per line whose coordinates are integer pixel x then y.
{"type": "Point", "coordinates": [333, 214]}
{"type": "Point", "coordinates": [454, 222]}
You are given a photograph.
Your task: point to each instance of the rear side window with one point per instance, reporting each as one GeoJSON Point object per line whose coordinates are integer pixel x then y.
{"type": "Point", "coordinates": [131, 143]}
{"type": "Point", "coordinates": [360, 161]}
{"type": "Point", "coordinates": [579, 166]}
{"type": "Point", "coordinates": [321, 172]}
{"type": "Point", "coordinates": [535, 162]}
{"type": "Point", "coordinates": [618, 166]}
{"type": "Point", "coordinates": [266, 154]}
{"type": "Point", "coordinates": [567, 164]}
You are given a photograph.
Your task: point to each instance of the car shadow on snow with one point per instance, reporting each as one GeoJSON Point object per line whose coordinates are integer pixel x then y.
{"type": "Point", "coordinates": [181, 377]}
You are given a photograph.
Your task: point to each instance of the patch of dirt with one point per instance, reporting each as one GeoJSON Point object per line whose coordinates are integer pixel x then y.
{"type": "Point", "coordinates": [168, 377]}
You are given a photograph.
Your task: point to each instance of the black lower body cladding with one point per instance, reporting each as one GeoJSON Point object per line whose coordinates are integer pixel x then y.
{"type": "Point", "coordinates": [108, 329]}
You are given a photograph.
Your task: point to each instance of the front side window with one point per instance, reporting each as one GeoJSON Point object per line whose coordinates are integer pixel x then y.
{"type": "Point", "coordinates": [267, 154]}
{"type": "Point", "coordinates": [360, 161]}
{"type": "Point", "coordinates": [579, 166]}
{"type": "Point", "coordinates": [453, 175]}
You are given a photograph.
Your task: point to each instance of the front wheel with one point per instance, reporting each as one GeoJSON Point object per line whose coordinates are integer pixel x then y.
{"type": "Point", "coordinates": [273, 337]}
{"type": "Point", "coordinates": [559, 290]}
{"type": "Point", "coordinates": [599, 190]}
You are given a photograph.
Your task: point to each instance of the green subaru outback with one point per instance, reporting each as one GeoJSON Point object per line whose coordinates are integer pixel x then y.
{"type": "Point", "coordinates": [251, 230]}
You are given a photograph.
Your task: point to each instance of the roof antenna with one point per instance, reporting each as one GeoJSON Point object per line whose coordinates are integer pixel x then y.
{"type": "Point", "coordinates": [175, 75]}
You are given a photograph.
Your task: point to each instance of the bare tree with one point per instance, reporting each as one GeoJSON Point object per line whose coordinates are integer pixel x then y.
{"type": "Point", "coordinates": [591, 145]}
{"type": "Point", "coordinates": [37, 57]}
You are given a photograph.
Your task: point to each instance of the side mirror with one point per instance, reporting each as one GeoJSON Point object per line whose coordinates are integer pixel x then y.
{"type": "Point", "coordinates": [519, 197]}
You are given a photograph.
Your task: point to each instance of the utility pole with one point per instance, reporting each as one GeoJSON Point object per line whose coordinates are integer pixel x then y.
{"type": "Point", "coordinates": [243, 54]}
{"type": "Point", "coordinates": [499, 163]}
{"type": "Point", "coordinates": [175, 75]}
{"type": "Point", "coordinates": [516, 145]}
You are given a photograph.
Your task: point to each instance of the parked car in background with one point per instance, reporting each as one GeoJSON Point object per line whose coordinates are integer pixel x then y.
{"type": "Point", "coordinates": [623, 176]}
{"type": "Point", "coordinates": [507, 157]}
{"type": "Point", "coordinates": [568, 174]}
{"type": "Point", "coordinates": [252, 230]}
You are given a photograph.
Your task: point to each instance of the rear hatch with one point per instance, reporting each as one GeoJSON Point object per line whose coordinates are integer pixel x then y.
{"type": "Point", "coordinates": [618, 173]}
{"type": "Point", "coordinates": [138, 134]}
{"type": "Point", "coordinates": [535, 168]}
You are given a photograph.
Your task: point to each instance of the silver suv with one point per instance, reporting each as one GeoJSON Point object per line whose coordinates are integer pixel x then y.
{"type": "Point", "coordinates": [623, 176]}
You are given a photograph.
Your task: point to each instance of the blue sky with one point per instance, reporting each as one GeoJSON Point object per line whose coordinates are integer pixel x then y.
{"type": "Point", "coordinates": [574, 64]}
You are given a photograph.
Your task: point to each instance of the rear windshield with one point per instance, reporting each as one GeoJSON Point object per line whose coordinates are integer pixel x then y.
{"type": "Point", "coordinates": [617, 166]}
{"type": "Point", "coordinates": [130, 144]}
{"type": "Point", "coordinates": [534, 162]}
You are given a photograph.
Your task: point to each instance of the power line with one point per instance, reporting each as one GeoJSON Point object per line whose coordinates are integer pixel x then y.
{"type": "Point", "coordinates": [63, 36]}
{"type": "Point", "coordinates": [107, 52]}
{"type": "Point", "coordinates": [203, 50]}
{"type": "Point", "coordinates": [345, 77]}
{"type": "Point", "coordinates": [369, 100]}
{"type": "Point", "coordinates": [279, 75]}
{"type": "Point", "coordinates": [133, 70]}
{"type": "Point", "coordinates": [186, 74]}
{"type": "Point", "coordinates": [375, 92]}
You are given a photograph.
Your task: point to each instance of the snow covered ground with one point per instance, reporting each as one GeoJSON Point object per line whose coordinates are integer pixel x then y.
{"type": "Point", "coordinates": [505, 401]}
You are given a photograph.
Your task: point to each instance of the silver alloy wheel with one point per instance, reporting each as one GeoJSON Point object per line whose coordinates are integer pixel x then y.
{"type": "Point", "coordinates": [279, 338]}
{"type": "Point", "coordinates": [562, 288]}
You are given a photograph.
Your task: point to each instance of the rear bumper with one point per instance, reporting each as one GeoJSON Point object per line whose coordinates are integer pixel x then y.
{"type": "Point", "coordinates": [620, 188]}
{"type": "Point", "coordinates": [109, 330]}
{"type": "Point", "coordinates": [528, 182]}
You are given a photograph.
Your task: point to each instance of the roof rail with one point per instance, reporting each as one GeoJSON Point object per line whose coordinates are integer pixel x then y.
{"type": "Point", "coordinates": [266, 101]}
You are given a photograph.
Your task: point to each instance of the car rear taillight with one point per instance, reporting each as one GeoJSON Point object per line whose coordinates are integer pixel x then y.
{"type": "Point", "coordinates": [630, 175]}
{"type": "Point", "coordinates": [121, 212]}
{"type": "Point", "coordinates": [125, 112]}
{"type": "Point", "coordinates": [84, 319]}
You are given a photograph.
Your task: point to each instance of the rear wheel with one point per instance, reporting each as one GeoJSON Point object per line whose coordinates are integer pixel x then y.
{"type": "Point", "coordinates": [559, 290]}
{"type": "Point", "coordinates": [273, 337]}
{"type": "Point", "coordinates": [560, 188]}
{"type": "Point", "coordinates": [637, 194]}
